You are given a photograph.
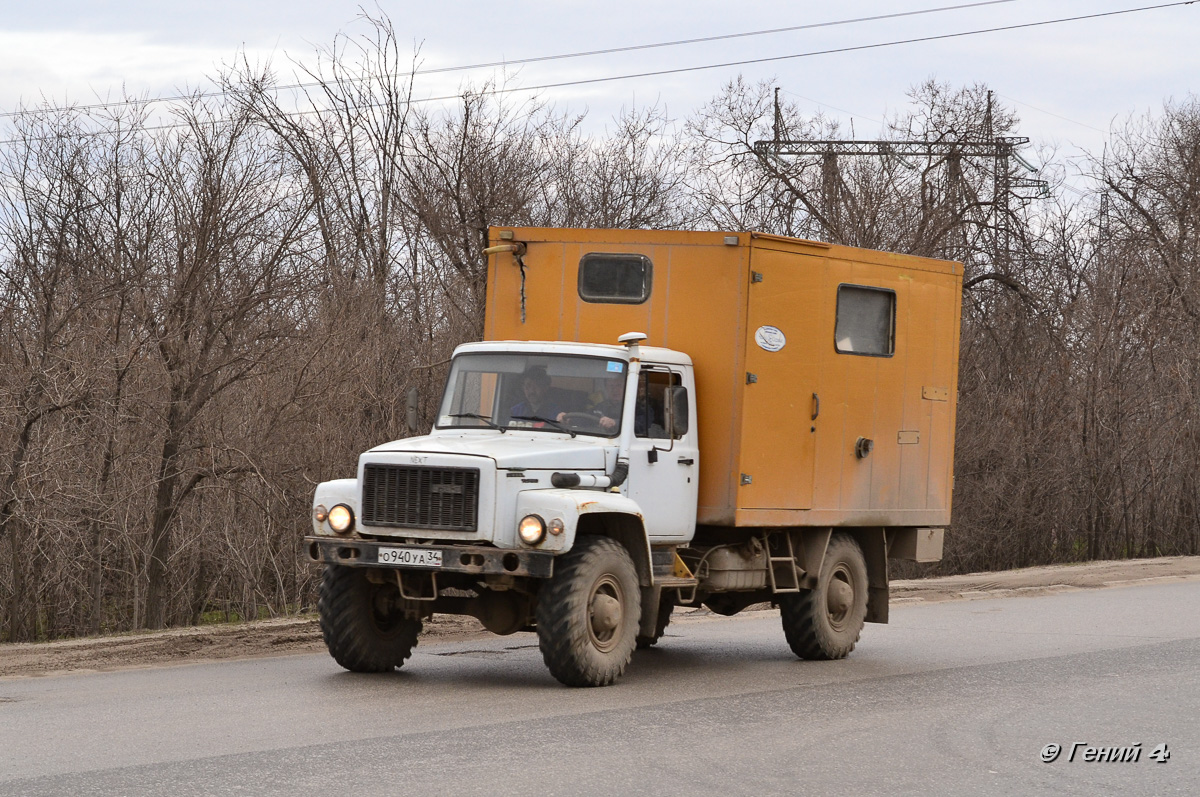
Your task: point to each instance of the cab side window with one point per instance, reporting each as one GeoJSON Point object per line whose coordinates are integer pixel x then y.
{"type": "Point", "coordinates": [650, 414]}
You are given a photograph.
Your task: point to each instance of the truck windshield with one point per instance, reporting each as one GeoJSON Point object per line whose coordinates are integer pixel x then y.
{"type": "Point", "coordinates": [544, 392]}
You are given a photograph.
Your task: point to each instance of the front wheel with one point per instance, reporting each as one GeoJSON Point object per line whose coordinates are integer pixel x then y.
{"type": "Point", "coordinates": [363, 623]}
{"type": "Point", "coordinates": [588, 613]}
{"type": "Point", "coordinates": [825, 623]}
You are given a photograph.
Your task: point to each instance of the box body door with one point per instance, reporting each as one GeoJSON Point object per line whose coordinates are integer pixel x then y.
{"type": "Point", "coordinates": [778, 435]}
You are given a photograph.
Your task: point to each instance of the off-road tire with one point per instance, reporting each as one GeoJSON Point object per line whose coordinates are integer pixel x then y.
{"type": "Point", "coordinates": [594, 585]}
{"type": "Point", "coordinates": [825, 623]}
{"type": "Point", "coordinates": [665, 607]}
{"type": "Point", "coordinates": [360, 623]}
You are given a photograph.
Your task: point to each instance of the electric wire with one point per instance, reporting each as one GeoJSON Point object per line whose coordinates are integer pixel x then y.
{"type": "Point", "coordinates": [1050, 113]}
{"type": "Point", "coordinates": [849, 49]}
{"type": "Point", "coordinates": [853, 114]}
{"type": "Point", "coordinates": [746, 62]}
{"type": "Point", "coordinates": [561, 56]}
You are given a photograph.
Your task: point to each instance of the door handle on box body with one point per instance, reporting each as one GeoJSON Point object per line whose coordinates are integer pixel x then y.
{"type": "Point", "coordinates": [816, 406]}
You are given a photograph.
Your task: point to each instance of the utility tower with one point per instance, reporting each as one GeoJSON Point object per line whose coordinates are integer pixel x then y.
{"type": "Point", "coordinates": [998, 152]}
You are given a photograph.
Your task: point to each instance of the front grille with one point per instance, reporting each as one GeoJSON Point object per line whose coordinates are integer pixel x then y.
{"type": "Point", "coordinates": [413, 497]}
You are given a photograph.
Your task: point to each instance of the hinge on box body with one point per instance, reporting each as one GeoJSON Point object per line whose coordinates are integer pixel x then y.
{"type": "Point", "coordinates": [747, 479]}
{"type": "Point", "coordinates": [756, 276]}
{"type": "Point", "coordinates": [751, 378]}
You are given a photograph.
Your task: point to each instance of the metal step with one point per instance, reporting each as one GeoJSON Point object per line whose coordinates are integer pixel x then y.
{"type": "Point", "coordinates": [674, 582]}
{"type": "Point", "coordinates": [785, 576]}
{"type": "Point", "coordinates": [781, 569]}
{"type": "Point", "coordinates": [685, 588]}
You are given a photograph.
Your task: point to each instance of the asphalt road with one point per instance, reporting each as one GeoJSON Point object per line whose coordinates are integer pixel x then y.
{"type": "Point", "coordinates": [950, 698]}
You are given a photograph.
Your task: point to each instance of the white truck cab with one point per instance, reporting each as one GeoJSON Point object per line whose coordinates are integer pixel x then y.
{"type": "Point", "coordinates": [534, 444]}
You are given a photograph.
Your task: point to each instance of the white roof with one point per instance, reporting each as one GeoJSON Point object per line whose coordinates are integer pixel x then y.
{"type": "Point", "coordinates": [649, 353]}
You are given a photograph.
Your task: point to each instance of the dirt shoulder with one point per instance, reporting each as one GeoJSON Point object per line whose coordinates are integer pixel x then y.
{"type": "Point", "coordinates": [301, 635]}
{"type": "Point", "coordinates": [1054, 578]}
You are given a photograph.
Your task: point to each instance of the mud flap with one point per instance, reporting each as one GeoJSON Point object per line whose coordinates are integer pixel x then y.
{"type": "Point", "coordinates": [813, 544]}
{"type": "Point", "coordinates": [874, 547]}
{"type": "Point", "coordinates": [648, 625]}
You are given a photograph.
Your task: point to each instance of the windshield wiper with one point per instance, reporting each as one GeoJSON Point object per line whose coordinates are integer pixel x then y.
{"type": "Point", "coordinates": [555, 424]}
{"type": "Point", "coordinates": [486, 419]}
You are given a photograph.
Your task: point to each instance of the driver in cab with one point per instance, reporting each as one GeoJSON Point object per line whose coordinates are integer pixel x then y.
{"type": "Point", "coordinates": [608, 409]}
{"type": "Point", "coordinates": [539, 406]}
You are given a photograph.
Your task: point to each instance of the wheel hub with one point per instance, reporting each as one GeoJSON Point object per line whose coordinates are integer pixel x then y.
{"type": "Point", "coordinates": [839, 598]}
{"type": "Point", "coordinates": [606, 614]}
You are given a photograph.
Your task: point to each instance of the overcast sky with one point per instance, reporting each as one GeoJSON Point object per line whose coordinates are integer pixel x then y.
{"type": "Point", "coordinates": [1068, 81]}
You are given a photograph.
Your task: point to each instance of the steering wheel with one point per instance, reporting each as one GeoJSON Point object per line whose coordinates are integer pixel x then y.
{"type": "Point", "coordinates": [582, 420]}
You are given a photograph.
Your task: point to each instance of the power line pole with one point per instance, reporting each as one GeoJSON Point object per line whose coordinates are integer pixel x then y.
{"type": "Point", "coordinates": [993, 150]}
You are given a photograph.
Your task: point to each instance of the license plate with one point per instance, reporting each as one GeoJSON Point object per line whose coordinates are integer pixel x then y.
{"type": "Point", "coordinates": [410, 557]}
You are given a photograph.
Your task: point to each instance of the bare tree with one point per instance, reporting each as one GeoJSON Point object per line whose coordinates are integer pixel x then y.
{"type": "Point", "coordinates": [198, 323]}
{"type": "Point", "coordinates": [223, 294]}
{"type": "Point", "coordinates": [47, 290]}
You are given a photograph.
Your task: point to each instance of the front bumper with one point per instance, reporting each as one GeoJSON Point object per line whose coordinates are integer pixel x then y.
{"type": "Point", "coordinates": [455, 558]}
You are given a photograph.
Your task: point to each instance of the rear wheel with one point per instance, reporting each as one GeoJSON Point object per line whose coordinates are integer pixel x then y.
{"type": "Point", "coordinates": [363, 623]}
{"type": "Point", "coordinates": [588, 612]}
{"type": "Point", "coordinates": [825, 623]}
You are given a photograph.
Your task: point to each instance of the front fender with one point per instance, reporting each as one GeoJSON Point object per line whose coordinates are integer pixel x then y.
{"type": "Point", "coordinates": [338, 491]}
{"type": "Point", "coordinates": [570, 505]}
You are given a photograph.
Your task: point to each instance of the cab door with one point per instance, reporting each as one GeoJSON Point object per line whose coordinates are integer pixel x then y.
{"type": "Point", "coordinates": [664, 469]}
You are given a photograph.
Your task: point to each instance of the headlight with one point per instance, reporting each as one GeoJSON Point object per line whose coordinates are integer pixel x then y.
{"type": "Point", "coordinates": [531, 530]}
{"type": "Point", "coordinates": [341, 519]}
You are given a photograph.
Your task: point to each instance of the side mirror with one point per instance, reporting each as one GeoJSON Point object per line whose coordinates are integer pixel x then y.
{"type": "Point", "coordinates": [411, 410]}
{"type": "Point", "coordinates": [677, 411]}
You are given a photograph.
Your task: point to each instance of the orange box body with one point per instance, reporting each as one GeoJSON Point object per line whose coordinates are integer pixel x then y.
{"type": "Point", "coordinates": [757, 314]}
